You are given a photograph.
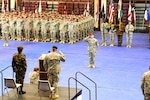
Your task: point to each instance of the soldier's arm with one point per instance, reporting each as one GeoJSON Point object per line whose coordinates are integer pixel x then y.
{"type": "Point", "coordinates": [142, 84]}
{"type": "Point", "coordinates": [25, 61]}
{"type": "Point", "coordinates": [62, 57]}
{"type": "Point", "coordinates": [132, 28]}
{"type": "Point", "coordinates": [97, 45]}
{"type": "Point", "coordinates": [126, 29]}
{"type": "Point", "coordinates": [13, 64]}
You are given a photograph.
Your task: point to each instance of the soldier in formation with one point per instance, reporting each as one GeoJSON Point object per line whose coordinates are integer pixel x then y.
{"type": "Point", "coordinates": [129, 34]}
{"type": "Point", "coordinates": [44, 29]}
{"type": "Point", "coordinates": [63, 31]}
{"type": "Point", "coordinates": [104, 32]}
{"type": "Point", "coordinates": [112, 32]}
{"type": "Point", "coordinates": [119, 32]}
{"type": "Point", "coordinates": [12, 24]}
{"type": "Point", "coordinates": [57, 27]}
{"type": "Point", "coordinates": [28, 25]}
{"type": "Point", "coordinates": [5, 31]}
{"type": "Point", "coordinates": [36, 28]}
{"type": "Point", "coordinates": [19, 27]}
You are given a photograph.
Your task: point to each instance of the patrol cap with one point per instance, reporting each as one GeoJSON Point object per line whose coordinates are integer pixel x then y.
{"type": "Point", "coordinates": [54, 47]}
{"type": "Point", "coordinates": [19, 48]}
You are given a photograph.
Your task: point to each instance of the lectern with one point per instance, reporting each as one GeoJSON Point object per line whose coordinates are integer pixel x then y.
{"type": "Point", "coordinates": [42, 72]}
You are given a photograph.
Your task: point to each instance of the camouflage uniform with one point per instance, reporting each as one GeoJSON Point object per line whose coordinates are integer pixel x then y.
{"type": "Point", "coordinates": [145, 85]}
{"type": "Point", "coordinates": [71, 32]}
{"type": "Point", "coordinates": [28, 28]}
{"type": "Point", "coordinates": [54, 28]}
{"type": "Point", "coordinates": [91, 26]}
{"type": "Point", "coordinates": [52, 66]}
{"type": "Point", "coordinates": [119, 32]}
{"type": "Point", "coordinates": [36, 29]}
{"type": "Point", "coordinates": [20, 24]}
{"type": "Point", "coordinates": [19, 66]}
{"type": "Point", "coordinates": [112, 34]}
{"type": "Point", "coordinates": [63, 30]}
{"type": "Point", "coordinates": [76, 31]}
{"type": "Point", "coordinates": [12, 23]}
{"type": "Point", "coordinates": [129, 34]}
{"type": "Point", "coordinates": [44, 28]}
{"type": "Point", "coordinates": [5, 32]}
{"type": "Point", "coordinates": [92, 48]}
{"type": "Point", "coordinates": [104, 33]}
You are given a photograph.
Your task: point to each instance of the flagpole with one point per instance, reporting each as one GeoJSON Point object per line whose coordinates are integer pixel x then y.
{"type": "Point", "coordinates": [144, 15]}
{"type": "Point", "coordinates": [78, 7]}
{"type": "Point", "coordinates": [134, 14]}
{"type": "Point", "coordinates": [73, 7]}
{"type": "Point", "coordinates": [28, 5]}
{"type": "Point", "coordinates": [52, 6]}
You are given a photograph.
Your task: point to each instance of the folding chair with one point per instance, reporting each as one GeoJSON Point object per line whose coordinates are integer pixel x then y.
{"type": "Point", "coordinates": [11, 84]}
{"type": "Point", "coordinates": [44, 86]}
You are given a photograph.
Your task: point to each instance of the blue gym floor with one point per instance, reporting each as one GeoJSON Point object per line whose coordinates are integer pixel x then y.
{"type": "Point", "coordinates": [118, 70]}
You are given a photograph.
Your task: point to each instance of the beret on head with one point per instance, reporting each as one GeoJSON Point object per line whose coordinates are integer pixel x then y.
{"type": "Point", "coordinates": [55, 47]}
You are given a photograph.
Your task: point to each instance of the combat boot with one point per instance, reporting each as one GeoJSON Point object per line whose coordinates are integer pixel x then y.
{"type": "Point", "coordinates": [90, 66]}
{"type": "Point", "coordinates": [111, 44]}
{"type": "Point", "coordinates": [55, 96]}
{"type": "Point", "coordinates": [102, 44]}
{"type": "Point", "coordinates": [105, 44]}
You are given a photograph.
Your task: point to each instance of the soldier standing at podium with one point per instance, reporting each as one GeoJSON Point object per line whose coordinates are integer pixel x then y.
{"type": "Point", "coordinates": [52, 66]}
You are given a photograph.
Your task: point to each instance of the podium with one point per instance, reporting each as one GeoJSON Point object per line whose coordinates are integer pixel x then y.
{"type": "Point", "coordinates": [42, 72]}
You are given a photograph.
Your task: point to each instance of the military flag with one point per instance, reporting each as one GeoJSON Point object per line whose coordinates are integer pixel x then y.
{"type": "Point", "coordinates": [7, 7]}
{"type": "Point", "coordinates": [97, 12]}
{"type": "Point", "coordinates": [84, 13]}
{"type": "Point", "coordinates": [145, 19]}
{"type": "Point", "coordinates": [73, 7]}
{"type": "Point", "coordinates": [40, 7]}
{"type": "Point", "coordinates": [120, 9]}
{"type": "Point", "coordinates": [88, 7]}
{"type": "Point", "coordinates": [111, 12]}
{"type": "Point", "coordinates": [12, 4]}
{"type": "Point", "coordinates": [148, 18]}
{"type": "Point", "coordinates": [23, 6]}
{"type": "Point", "coordinates": [133, 15]}
{"type": "Point", "coordinates": [46, 4]}
{"type": "Point", "coordinates": [36, 10]}
{"type": "Point", "coordinates": [15, 6]}
{"type": "Point", "coordinates": [129, 12]}
{"type": "Point", "coordinates": [145, 15]}
{"type": "Point", "coordinates": [78, 8]}
{"type": "Point", "coordinates": [3, 6]}
{"type": "Point", "coordinates": [102, 14]}
{"type": "Point", "coordinates": [59, 7]}
{"type": "Point", "coordinates": [65, 8]}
